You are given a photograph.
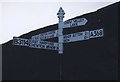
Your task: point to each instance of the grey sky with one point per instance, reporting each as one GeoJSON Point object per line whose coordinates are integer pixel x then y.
{"type": "Point", "coordinates": [18, 18]}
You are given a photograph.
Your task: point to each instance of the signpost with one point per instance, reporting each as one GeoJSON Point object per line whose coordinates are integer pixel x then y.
{"type": "Point", "coordinates": [44, 45]}
{"type": "Point", "coordinates": [60, 29]}
{"type": "Point", "coordinates": [33, 44]}
{"type": "Point", "coordinates": [38, 41]}
{"type": "Point", "coordinates": [75, 22]}
{"type": "Point", "coordinates": [46, 35]}
{"type": "Point", "coordinates": [20, 41]}
{"type": "Point", "coordinates": [76, 36]}
{"type": "Point", "coordinates": [85, 35]}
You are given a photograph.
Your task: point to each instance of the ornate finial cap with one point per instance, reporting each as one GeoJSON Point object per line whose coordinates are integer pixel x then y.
{"type": "Point", "coordinates": [61, 11]}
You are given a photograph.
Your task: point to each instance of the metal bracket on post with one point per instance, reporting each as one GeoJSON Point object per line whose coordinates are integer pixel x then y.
{"type": "Point", "coordinates": [60, 14]}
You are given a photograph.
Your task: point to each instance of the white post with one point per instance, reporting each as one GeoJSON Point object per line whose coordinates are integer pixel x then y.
{"type": "Point", "coordinates": [60, 30]}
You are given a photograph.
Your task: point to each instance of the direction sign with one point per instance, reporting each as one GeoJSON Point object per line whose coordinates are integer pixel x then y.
{"type": "Point", "coordinates": [20, 41]}
{"type": "Point", "coordinates": [85, 35]}
{"type": "Point", "coordinates": [76, 36]}
{"type": "Point", "coordinates": [75, 22]}
{"type": "Point", "coordinates": [46, 35]}
{"type": "Point", "coordinates": [44, 45]}
{"type": "Point", "coordinates": [33, 44]}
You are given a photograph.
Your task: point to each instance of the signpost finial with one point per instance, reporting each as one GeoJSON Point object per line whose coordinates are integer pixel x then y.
{"type": "Point", "coordinates": [61, 13]}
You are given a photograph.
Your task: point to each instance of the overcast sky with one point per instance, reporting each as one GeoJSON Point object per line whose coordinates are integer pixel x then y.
{"type": "Point", "coordinates": [18, 17]}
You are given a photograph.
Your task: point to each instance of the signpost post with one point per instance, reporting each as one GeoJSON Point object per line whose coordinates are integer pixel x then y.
{"type": "Point", "coordinates": [60, 30]}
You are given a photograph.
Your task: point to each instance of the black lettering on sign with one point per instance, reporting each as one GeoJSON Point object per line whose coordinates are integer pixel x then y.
{"type": "Point", "coordinates": [53, 47]}
{"type": "Point", "coordinates": [50, 43]}
{"type": "Point", "coordinates": [67, 36]}
{"type": "Point", "coordinates": [32, 45]}
{"type": "Point", "coordinates": [101, 32]}
{"type": "Point", "coordinates": [43, 43]}
{"type": "Point", "coordinates": [86, 37]}
{"type": "Point", "coordinates": [74, 20]}
{"type": "Point", "coordinates": [57, 48]}
{"type": "Point", "coordinates": [23, 42]}
{"type": "Point", "coordinates": [50, 47]}
{"type": "Point", "coordinates": [70, 21]}
{"type": "Point", "coordinates": [77, 34]}
{"type": "Point", "coordinates": [15, 41]}
{"type": "Point", "coordinates": [91, 34]}
{"type": "Point", "coordinates": [80, 34]}
{"type": "Point", "coordinates": [66, 40]}
{"type": "Point", "coordinates": [96, 33]}
{"type": "Point", "coordinates": [86, 33]}
{"type": "Point", "coordinates": [36, 45]}
{"type": "Point", "coordinates": [40, 46]}
{"type": "Point", "coordinates": [40, 42]}
{"type": "Point", "coordinates": [19, 41]}
{"type": "Point", "coordinates": [74, 34]}
{"type": "Point", "coordinates": [43, 46]}
{"type": "Point", "coordinates": [73, 24]}
{"type": "Point", "coordinates": [47, 46]}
